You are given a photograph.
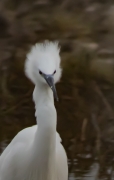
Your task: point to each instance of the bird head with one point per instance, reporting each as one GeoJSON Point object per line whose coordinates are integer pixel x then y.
{"type": "Point", "coordinates": [42, 64]}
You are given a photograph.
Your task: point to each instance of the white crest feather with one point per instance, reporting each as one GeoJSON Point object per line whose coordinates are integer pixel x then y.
{"type": "Point", "coordinates": [43, 55]}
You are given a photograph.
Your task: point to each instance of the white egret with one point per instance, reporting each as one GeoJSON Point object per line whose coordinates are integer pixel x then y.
{"type": "Point", "coordinates": [36, 152]}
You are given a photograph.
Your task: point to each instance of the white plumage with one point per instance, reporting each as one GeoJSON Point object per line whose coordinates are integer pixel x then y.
{"type": "Point", "coordinates": [36, 152]}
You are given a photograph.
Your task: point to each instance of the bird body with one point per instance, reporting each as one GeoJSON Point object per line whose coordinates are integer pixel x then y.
{"type": "Point", "coordinates": [14, 166]}
{"type": "Point", "coordinates": [36, 153]}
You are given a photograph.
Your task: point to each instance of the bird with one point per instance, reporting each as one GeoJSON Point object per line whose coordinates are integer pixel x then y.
{"type": "Point", "coordinates": [37, 153]}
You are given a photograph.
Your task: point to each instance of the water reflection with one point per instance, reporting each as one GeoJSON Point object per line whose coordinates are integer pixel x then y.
{"type": "Point", "coordinates": [92, 173]}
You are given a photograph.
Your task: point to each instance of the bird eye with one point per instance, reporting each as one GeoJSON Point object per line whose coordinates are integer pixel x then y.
{"type": "Point", "coordinates": [40, 72]}
{"type": "Point", "coordinates": [54, 72]}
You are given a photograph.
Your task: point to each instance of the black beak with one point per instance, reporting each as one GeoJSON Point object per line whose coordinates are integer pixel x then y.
{"type": "Point", "coordinates": [50, 80]}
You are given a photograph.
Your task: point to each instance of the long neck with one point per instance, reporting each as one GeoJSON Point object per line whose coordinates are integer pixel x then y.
{"type": "Point", "coordinates": [44, 153]}
{"type": "Point", "coordinates": [42, 95]}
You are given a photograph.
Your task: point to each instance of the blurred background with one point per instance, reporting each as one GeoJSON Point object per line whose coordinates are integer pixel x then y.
{"type": "Point", "coordinates": [85, 30]}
